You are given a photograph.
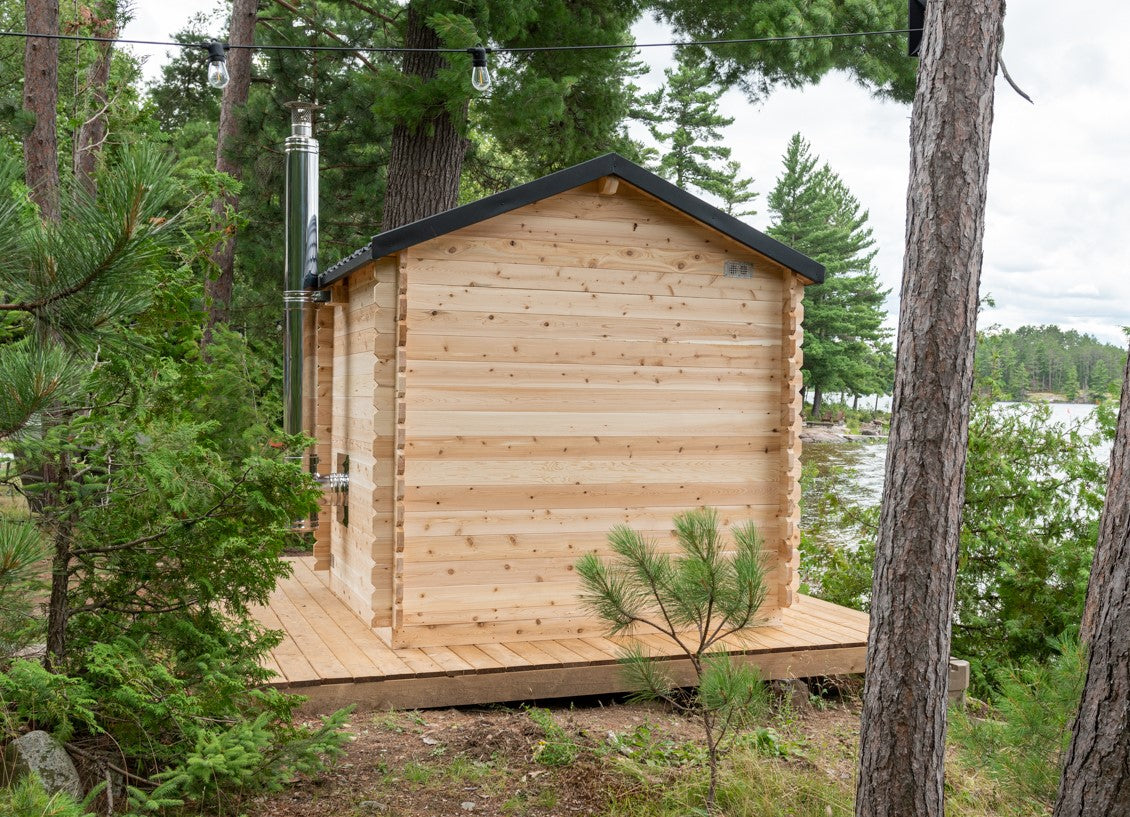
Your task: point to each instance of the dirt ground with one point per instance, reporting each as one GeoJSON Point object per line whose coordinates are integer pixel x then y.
{"type": "Point", "coordinates": [574, 758]}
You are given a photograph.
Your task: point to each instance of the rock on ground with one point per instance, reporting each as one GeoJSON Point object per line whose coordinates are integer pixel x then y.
{"type": "Point", "coordinates": [40, 753]}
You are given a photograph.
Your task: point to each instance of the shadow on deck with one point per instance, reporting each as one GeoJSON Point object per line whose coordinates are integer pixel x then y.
{"type": "Point", "coordinates": [332, 657]}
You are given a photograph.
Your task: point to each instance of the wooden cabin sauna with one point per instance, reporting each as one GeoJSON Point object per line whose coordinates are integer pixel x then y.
{"type": "Point", "coordinates": [506, 381]}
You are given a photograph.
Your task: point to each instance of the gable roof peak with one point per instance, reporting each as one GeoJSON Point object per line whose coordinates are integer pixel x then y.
{"type": "Point", "coordinates": [610, 164]}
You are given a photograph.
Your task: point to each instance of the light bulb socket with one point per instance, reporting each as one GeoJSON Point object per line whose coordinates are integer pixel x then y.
{"type": "Point", "coordinates": [217, 52]}
{"type": "Point", "coordinates": [478, 56]}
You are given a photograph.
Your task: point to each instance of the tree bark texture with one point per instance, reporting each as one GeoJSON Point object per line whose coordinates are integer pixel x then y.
{"type": "Point", "coordinates": [904, 701]}
{"type": "Point", "coordinates": [425, 161]}
{"type": "Point", "coordinates": [1096, 770]}
{"type": "Point", "coordinates": [58, 606]}
{"type": "Point", "coordinates": [41, 95]}
{"type": "Point", "coordinates": [91, 132]}
{"type": "Point", "coordinates": [218, 289]}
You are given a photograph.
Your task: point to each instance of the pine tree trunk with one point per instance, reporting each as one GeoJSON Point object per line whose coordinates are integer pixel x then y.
{"type": "Point", "coordinates": [92, 132]}
{"type": "Point", "coordinates": [426, 161]}
{"type": "Point", "coordinates": [902, 748]}
{"type": "Point", "coordinates": [41, 94]}
{"type": "Point", "coordinates": [817, 402]}
{"type": "Point", "coordinates": [57, 606]}
{"type": "Point", "coordinates": [1096, 771]}
{"type": "Point", "coordinates": [218, 289]}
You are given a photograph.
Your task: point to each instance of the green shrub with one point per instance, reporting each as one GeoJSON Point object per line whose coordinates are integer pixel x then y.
{"type": "Point", "coordinates": [26, 798]}
{"type": "Point", "coordinates": [1020, 745]}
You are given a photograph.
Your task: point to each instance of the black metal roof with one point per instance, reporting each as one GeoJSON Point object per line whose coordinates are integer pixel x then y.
{"type": "Point", "coordinates": [610, 164]}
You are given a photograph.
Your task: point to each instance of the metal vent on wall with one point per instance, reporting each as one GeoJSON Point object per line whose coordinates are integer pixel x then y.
{"type": "Point", "coordinates": [737, 269]}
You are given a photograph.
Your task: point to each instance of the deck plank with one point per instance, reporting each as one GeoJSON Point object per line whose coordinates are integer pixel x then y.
{"type": "Point", "coordinates": [420, 664]}
{"type": "Point", "coordinates": [478, 659]}
{"type": "Point", "coordinates": [588, 652]}
{"type": "Point", "coordinates": [360, 638]}
{"type": "Point", "coordinates": [531, 652]}
{"type": "Point", "coordinates": [833, 633]}
{"type": "Point", "coordinates": [821, 610]}
{"type": "Point", "coordinates": [448, 660]}
{"type": "Point", "coordinates": [566, 656]}
{"type": "Point", "coordinates": [356, 663]}
{"type": "Point", "coordinates": [332, 655]}
{"type": "Point", "coordinates": [504, 656]}
{"type": "Point", "coordinates": [293, 664]}
{"type": "Point", "coordinates": [305, 637]}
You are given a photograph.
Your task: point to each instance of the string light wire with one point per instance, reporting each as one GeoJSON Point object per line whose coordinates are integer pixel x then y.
{"type": "Point", "coordinates": [380, 49]}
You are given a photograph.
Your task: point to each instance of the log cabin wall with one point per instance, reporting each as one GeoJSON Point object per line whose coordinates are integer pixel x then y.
{"type": "Point", "coordinates": [572, 364]}
{"type": "Point", "coordinates": [362, 430]}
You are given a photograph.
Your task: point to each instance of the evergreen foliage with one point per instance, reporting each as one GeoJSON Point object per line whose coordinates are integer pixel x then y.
{"type": "Point", "coordinates": [683, 118]}
{"type": "Point", "coordinates": [1022, 744]}
{"type": "Point", "coordinates": [162, 524]}
{"type": "Point", "coordinates": [707, 593]}
{"type": "Point", "coordinates": [758, 68]}
{"type": "Point", "coordinates": [21, 556]}
{"type": "Point", "coordinates": [1034, 492]}
{"type": "Point", "coordinates": [1013, 364]}
{"type": "Point", "coordinates": [846, 346]}
{"type": "Point", "coordinates": [26, 798]}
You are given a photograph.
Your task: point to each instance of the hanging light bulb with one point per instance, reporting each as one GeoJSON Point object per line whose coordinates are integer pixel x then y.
{"type": "Point", "coordinates": [480, 74]}
{"type": "Point", "coordinates": [218, 65]}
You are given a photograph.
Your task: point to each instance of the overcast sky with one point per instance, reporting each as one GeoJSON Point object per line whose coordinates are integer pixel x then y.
{"type": "Point", "coordinates": [1059, 178]}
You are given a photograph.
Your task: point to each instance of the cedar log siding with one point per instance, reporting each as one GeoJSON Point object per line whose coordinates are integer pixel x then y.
{"type": "Point", "coordinates": [363, 429]}
{"type": "Point", "coordinates": [511, 390]}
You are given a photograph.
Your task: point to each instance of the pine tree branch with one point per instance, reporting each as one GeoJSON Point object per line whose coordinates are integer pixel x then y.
{"type": "Point", "coordinates": [332, 35]}
{"type": "Point", "coordinates": [119, 248]}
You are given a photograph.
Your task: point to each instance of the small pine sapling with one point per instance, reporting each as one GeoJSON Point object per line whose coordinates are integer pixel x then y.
{"type": "Point", "coordinates": [705, 594]}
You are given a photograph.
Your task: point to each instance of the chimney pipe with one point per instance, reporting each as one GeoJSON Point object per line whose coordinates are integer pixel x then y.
{"type": "Point", "coordinates": [300, 279]}
{"type": "Point", "coordinates": [300, 273]}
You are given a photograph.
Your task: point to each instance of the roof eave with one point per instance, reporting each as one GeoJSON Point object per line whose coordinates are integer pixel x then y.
{"type": "Point", "coordinates": [611, 164]}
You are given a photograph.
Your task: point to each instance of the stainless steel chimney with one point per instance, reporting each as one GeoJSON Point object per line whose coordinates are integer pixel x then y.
{"type": "Point", "coordinates": [300, 279]}
{"type": "Point", "coordinates": [300, 273]}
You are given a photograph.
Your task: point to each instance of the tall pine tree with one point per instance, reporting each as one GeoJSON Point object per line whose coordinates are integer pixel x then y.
{"type": "Point", "coordinates": [845, 345]}
{"type": "Point", "coordinates": [683, 118]}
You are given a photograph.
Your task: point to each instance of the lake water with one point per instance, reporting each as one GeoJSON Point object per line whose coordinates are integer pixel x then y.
{"type": "Point", "coordinates": [853, 472]}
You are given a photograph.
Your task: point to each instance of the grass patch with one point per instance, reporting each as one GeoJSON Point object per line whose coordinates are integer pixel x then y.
{"type": "Point", "coordinates": [556, 747]}
{"type": "Point", "coordinates": [750, 786]}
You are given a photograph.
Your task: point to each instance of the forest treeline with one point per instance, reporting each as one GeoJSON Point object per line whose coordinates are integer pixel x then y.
{"type": "Point", "coordinates": [1014, 364]}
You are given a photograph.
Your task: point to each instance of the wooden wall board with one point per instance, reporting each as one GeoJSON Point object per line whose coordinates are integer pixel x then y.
{"type": "Point", "coordinates": [637, 257]}
{"type": "Point", "coordinates": [518, 496]}
{"type": "Point", "coordinates": [517, 447]}
{"type": "Point", "coordinates": [582, 376]}
{"type": "Point", "coordinates": [555, 276]}
{"type": "Point", "coordinates": [642, 352]}
{"type": "Point", "coordinates": [658, 470]}
{"type": "Point", "coordinates": [755, 420]}
{"type": "Point", "coordinates": [523, 324]}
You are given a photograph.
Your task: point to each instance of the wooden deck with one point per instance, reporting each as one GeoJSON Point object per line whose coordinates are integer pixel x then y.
{"type": "Point", "coordinates": [332, 657]}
